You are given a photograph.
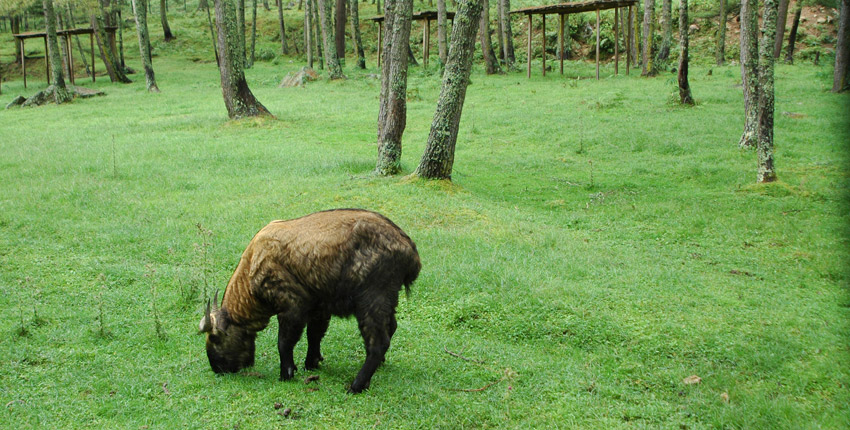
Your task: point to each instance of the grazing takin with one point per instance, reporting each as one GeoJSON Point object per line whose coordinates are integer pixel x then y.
{"type": "Point", "coordinates": [340, 262]}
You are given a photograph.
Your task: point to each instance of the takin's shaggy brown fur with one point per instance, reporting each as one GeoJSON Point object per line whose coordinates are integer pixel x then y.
{"type": "Point", "coordinates": [341, 262]}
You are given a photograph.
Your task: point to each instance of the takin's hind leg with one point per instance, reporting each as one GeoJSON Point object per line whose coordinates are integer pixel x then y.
{"type": "Point", "coordinates": [289, 332]}
{"type": "Point", "coordinates": [316, 329]}
{"type": "Point", "coordinates": [377, 330]}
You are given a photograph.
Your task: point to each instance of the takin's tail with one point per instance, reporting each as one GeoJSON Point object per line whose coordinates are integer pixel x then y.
{"type": "Point", "coordinates": [414, 266]}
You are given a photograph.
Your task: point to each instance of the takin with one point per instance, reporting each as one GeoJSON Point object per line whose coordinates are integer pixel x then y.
{"type": "Point", "coordinates": [340, 262]}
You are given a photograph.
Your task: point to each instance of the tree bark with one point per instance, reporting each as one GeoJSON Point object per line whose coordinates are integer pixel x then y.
{"type": "Point", "coordinates": [253, 33]}
{"type": "Point", "coordinates": [442, 41]}
{"type": "Point", "coordinates": [140, 12]}
{"type": "Point", "coordinates": [764, 149]}
{"type": "Point", "coordinates": [491, 65]}
{"type": "Point", "coordinates": [240, 22]}
{"type": "Point", "coordinates": [842, 50]}
{"type": "Point", "coordinates": [163, 17]}
{"type": "Point", "coordinates": [339, 30]}
{"type": "Point", "coordinates": [392, 114]}
{"type": "Point", "coordinates": [331, 59]}
{"type": "Point", "coordinates": [438, 159]}
{"type": "Point", "coordinates": [317, 32]}
{"type": "Point", "coordinates": [238, 98]}
{"type": "Point", "coordinates": [749, 73]}
{"type": "Point", "coordinates": [781, 18]}
{"type": "Point", "coordinates": [684, 87]}
{"type": "Point", "coordinates": [721, 35]}
{"type": "Point", "coordinates": [647, 51]}
{"type": "Point", "coordinates": [355, 29]}
{"type": "Point", "coordinates": [61, 93]}
{"type": "Point", "coordinates": [77, 39]}
{"type": "Point", "coordinates": [267, 8]}
{"type": "Point", "coordinates": [213, 36]}
{"type": "Point", "coordinates": [792, 36]}
{"type": "Point", "coordinates": [666, 30]}
{"type": "Point", "coordinates": [280, 21]}
{"type": "Point", "coordinates": [113, 69]}
{"type": "Point", "coordinates": [308, 30]}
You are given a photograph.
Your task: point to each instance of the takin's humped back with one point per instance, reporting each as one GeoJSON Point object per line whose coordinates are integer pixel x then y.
{"type": "Point", "coordinates": [339, 262]}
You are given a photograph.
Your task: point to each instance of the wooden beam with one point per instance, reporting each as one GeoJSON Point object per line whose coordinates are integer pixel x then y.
{"type": "Point", "coordinates": [528, 49]}
{"type": "Point", "coordinates": [616, 41]}
{"type": "Point", "coordinates": [561, 42]}
{"type": "Point", "coordinates": [597, 44]}
{"type": "Point", "coordinates": [544, 45]}
{"type": "Point", "coordinates": [24, 62]}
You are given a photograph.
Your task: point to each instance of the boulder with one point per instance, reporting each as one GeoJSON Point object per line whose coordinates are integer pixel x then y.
{"type": "Point", "coordinates": [299, 78]}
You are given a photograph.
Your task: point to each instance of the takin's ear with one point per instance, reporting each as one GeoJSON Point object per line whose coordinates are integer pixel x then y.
{"type": "Point", "coordinates": [208, 322]}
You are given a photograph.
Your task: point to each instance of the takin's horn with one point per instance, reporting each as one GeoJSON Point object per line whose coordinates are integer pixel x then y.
{"type": "Point", "coordinates": [206, 325]}
{"type": "Point", "coordinates": [215, 301]}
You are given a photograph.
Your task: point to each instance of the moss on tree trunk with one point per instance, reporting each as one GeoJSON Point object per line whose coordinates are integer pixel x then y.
{"type": "Point", "coordinates": [766, 172]}
{"type": "Point", "coordinates": [647, 51]}
{"type": "Point", "coordinates": [684, 87]}
{"type": "Point", "coordinates": [438, 159]}
{"type": "Point", "coordinates": [331, 59]}
{"type": "Point", "coordinates": [749, 73]}
{"type": "Point", "coordinates": [666, 30]}
{"type": "Point", "coordinates": [140, 12]}
{"type": "Point", "coordinates": [61, 93]}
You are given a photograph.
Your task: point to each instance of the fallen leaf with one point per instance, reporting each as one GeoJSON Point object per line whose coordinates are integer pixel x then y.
{"type": "Point", "coordinates": [691, 380]}
{"type": "Point", "coordinates": [311, 378]}
{"type": "Point", "coordinates": [725, 397]}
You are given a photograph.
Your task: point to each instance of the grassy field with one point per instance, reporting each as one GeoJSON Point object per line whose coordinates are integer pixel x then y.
{"type": "Point", "coordinates": [598, 246]}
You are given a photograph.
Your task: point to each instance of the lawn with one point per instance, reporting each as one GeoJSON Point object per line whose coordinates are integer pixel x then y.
{"type": "Point", "coordinates": [598, 245]}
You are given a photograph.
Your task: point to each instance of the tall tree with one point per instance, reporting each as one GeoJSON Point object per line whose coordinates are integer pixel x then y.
{"type": "Point", "coordinates": [77, 39]}
{"type": "Point", "coordinates": [490, 61]}
{"type": "Point", "coordinates": [253, 33]}
{"type": "Point", "coordinates": [107, 53]}
{"type": "Point", "coordinates": [282, 25]}
{"type": "Point", "coordinates": [240, 23]}
{"type": "Point", "coordinates": [438, 159]}
{"type": "Point", "coordinates": [749, 72]}
{"type": "Point", "coordinates": [792, 36]}
{"type": "Point", "coordinates": [647, 51]}
{"type": "Point", "coordinates": [339, 30]}
{"type": "Point", "coordinates": [163, 17]}
{"type": "Point", "coordinates": [61, 93]}
{"type": "Point", "coordinates": [442, 41]}
{"type": "Point", "coordinates": [507, 34]}
{"type": "Point", "coordinates": [764, 148]}
{"type": "Point", "coordinates": [392, 114]}
{"type": "Point", "coordinates": [238, 98]}
{"type": "Point", "coordinates": [684, 87]}
{"type": "Point", "coordinates": [140, 12]}
{"type": "Point", "coordinates": [355, 30]}
{"type": "Point", "coordinates": [308, 30]}
{"type": "Point", "coordinates": [842, 50]}
{"type": "Point", "coordinates": [331, 59]}
{"type": "Point", "coordinates": [782, 16]}
{"type": "Point", "coordinates": [666, 30]}
{"type": "Point", "coordinates": [720, 52]}
{"type": "Point", "coordinates": [317, 32]}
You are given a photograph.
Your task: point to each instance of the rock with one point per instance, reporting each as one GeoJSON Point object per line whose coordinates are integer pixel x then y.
{"type": "Point", "coordinates": [299, 78]}
{"type": "Point", "coordinates": [85, 93]}
{"type": "Point", "coordinates": [693, 28]}
{"type": "Point", "coordinates": [17, 101]}
{"type": "Point", "coordinates": [821, 20]}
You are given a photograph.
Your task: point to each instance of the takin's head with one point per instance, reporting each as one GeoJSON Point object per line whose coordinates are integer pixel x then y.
{"type": "Point", "coordinates": [230, 348]}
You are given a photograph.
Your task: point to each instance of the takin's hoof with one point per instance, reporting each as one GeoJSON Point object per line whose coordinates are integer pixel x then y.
{"type": "Point", "coordinates": [356, 388]}
{"type": "Point", "coordinates": [287, 373]}
{"type": "Point", "coordinates": [313, 363]}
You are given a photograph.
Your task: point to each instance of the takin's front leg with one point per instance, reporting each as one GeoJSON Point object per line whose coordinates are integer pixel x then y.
{"type": "Point", "coordinates": [289, 332]}
{"type": "Point", "coordinates": [377, 332]}
{"type": "Point", "coordinates": [316, 329]}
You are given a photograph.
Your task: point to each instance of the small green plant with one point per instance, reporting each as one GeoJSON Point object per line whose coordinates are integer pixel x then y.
{"type": "Point", "coordinates": [101, 278]}
{"type": "Point", "coordinates": [160, 329]}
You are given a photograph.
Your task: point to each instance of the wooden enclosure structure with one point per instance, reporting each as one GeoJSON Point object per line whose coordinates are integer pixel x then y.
{"type": "Point", "coordinates": [426, 16]}
{"type": "Point", "coordinates": [565, 9]}
{"type": "Point", "coordinates": [69, 54]}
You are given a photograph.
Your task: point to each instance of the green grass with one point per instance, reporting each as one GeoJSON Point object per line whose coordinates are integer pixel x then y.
{"type": "Point", "coordinates": [589, 300]}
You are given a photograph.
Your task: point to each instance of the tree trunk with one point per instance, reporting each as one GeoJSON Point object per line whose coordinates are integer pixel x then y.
{"type": "Point", "coordinates": [647, 53]}
{"type": "Point", "coordinates": [79, 45]}
{"type": "Point", "coordinates": [792, 36]}
{"type": "Point", "coordinates": [280, 21]}
{"type": "Point", "coordinates": [16, 28]}
{"type": "Point", "coordinates": [163, 17]}
{"type": "Point", "coordinates": [308, 30]}
{"type": "Point", "coordinates": [510, 56]}
{"type": "Point", "coordinates": [392, 115]}
{"type": "Point", "coordinates": [666, 30]}
{"type": "Point", "coordinates": [61, 93]}
{"type": "Point", "coordinates": [113, 69]}
{"type": "Point", "coordinates": [238, 98]}
{"type": "Point", "coordinates": [140, 12]}
{"type": "Point", "coordinates": [355, 29]}
{"type": "Point", "coordinates": [442, 41]}
{"type": "Point", "coordinates": [213, 35]}
{"type": "Point", "coordinates": [253, 33]}
{"type": "Point", "coordinates": [317, 33]}
{"type": "Point", "coordinates": [766, 172]}
{"type": "Point", "coordinates": [781, 18]}
{"type": "Point", "coordinates": [240, 23]}
{"type": "Point", "coordinates": [721, 35]}
{"type": "Point", "coordinates": [267, 8]}
{"type": "Point", "coordinates": [842, 50]}
{"type": "Point", "coordinates": [749, 73]}
{"type": "Point", "coordinates": [438, 159]}
{"type": "Point", "coordinates": [202, 5]}
{"type": "Point", "coordinates": [492, 66]}
{"type": "Point", "coordinates": [500, 34]}
{"type": "Point", "coordinates": [334, 69]}
{"type": "Point", "coordinates": [684, 87]}
{"type": "Point", "coordinates": [633, 34]}
{"type": "Point", "coordinates": [339, 30]}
